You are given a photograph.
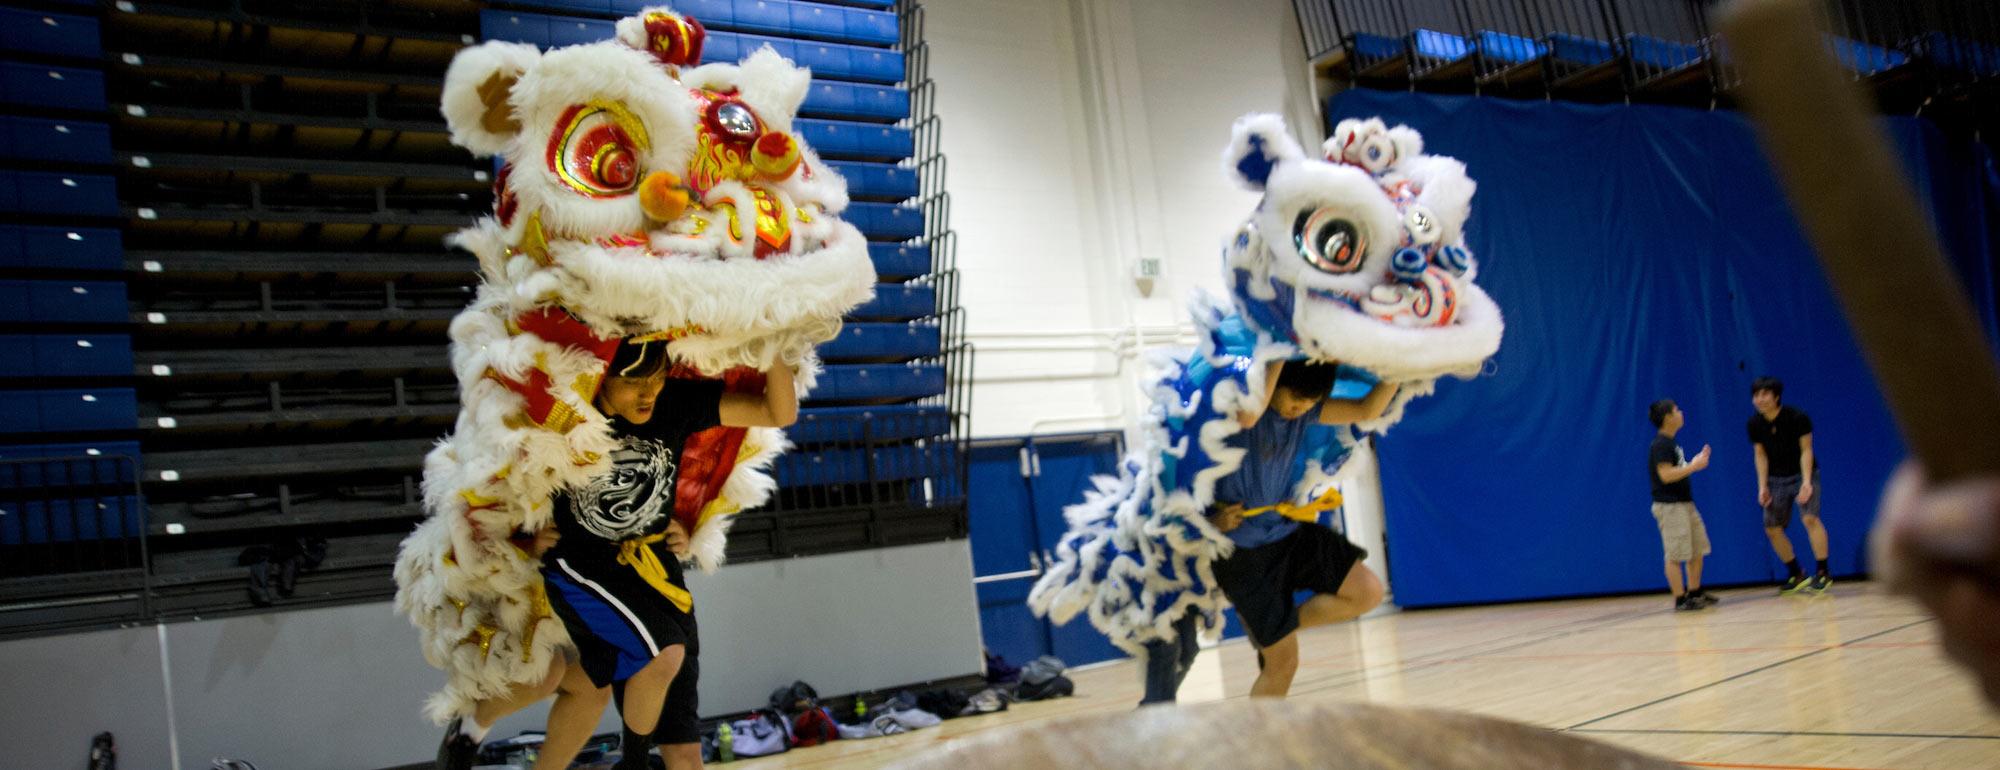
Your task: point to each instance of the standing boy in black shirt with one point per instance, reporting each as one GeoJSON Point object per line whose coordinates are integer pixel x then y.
{"type": "Point", "coordinates": [1682, 534]}
{"type": "Point", "coordinates": [1787, 472]}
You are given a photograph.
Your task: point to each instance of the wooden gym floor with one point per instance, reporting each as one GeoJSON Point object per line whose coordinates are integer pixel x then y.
{"type": "Point", "coordinates": [1853, 679]}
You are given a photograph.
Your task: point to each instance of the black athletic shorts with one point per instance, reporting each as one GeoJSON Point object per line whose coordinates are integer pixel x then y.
{"type": "Point", "coordinates": [1261, 581]}
{"type": "Point", "coordinates": [619, 623]}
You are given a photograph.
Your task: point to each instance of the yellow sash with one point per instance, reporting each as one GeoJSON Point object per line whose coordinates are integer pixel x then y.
{"type": "Point", "coordinates": [1307, 512]}
{"type": "Point", "coordinates": [644, 561]}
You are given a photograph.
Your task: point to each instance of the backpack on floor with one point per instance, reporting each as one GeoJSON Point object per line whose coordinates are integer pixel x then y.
{"type": "Point", "coordinates": [813, 727]}
{"type": "Point", "coordinates": [763, 733]}
{"type": "Point", "coordinates": [794, 698]}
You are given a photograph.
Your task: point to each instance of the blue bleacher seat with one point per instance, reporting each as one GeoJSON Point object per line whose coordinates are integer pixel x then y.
{"type": "Point", "coordinates": [886, 221]}
{"type": "Point", "coordinates": [1510, 49]}
{"type": "Point", "coordinates": [54, 34]}
{"type": "Point", "coordinates": [853, 466]}
{"type": "Point", "coordinates": [872, 26]}
{"type": "Point", "coordinates": [72, 449]}
{"type": "Point", "coordinates": [829, 98]}
{"type": "Point", "coordinates": [770, 16]}
{"type": "Point", "coordinates": [713, 14]}
{"type": "Point", "coordinates": [877, 66]}
{"type": "Point", "coordinates": [75, 465]}
{"type": "Point", "coordinates": [36, 522]}
{"type": "Point", "coordinates": [812, 20]}
{"type": "Point", "coordinates": [856, 141]}
{"type": "Point", "coordinates": [20, 411]}
{"type": "Point", "coordinates": [881, 102]}
{"type": "Point", "coordinates": [83, 355]}
{"type": "Point", "coordinates": [877, 181]}
{"type": "Point", "coordinates": [1377, 46]}
{"type": "Point", "coordinates": [1581, 51]}
{"type": "Point", "coordinates": [855, 382]}
{"type": "Point", "coordinates": [1661, 54]}
{"type": "Point", "coordinates": [64, 194]}
{"type": "Point", "coordinates": [1865, 59]}
{"type": "Point", "coordinates": [61, 247]}
{"type": "Point", "coordinates": [65, 355]}
{"type": "Point", "coordinates": [90, 409]}
{"type": "Point", "coordinates": [567, 32]}
{"type": "Point", "coordinates": [860, 101]}
{"type": "Point", "coordinates": [723, 47]}
{"type": "Point", "coordinates": [63, 301]}
{"type": "Point", "coordinates": [899, 260]}
{"type": "Point", "coordinates": [826, 60]}
{"type": "Point", "coordinates": [1958, 54]}
{"type": "Point", "coordinates": [899, 300]}
{"type": "Point", "coordinates": [68, 88]}
{"type": "Point", "coordinates": [853, 424]}
{"type": "Point", "coordinates": [531, 28]}
{"type": "Point", "coordinates": [882, 340]}
{"type": "Point", "coordinates": [17, 355]}
{"type": "Point", "coordinates": [62, 141]}
{"type": "Point", "coordinates": [597, 7]}
{"type": "Point", "coordinates": [1442, 46]}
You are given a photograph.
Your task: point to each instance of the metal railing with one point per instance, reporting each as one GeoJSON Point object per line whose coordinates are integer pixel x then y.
{"type": "Point", "coordinates": [1634, 48]}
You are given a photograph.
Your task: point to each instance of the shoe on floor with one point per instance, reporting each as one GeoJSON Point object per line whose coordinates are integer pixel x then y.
{"type": "Point", "coordinates": [1687, 603]}
{"type": "Point", "coordinates": [1820, 582]}
{"type": "Point", "coordinates": [1792, 585]}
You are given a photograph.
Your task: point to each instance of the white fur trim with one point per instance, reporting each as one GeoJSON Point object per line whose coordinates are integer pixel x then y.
{"type": "Point", "coordinates": [1278, 147]}
{"type": "Point", "coordinates": [461, 105]}
{"type": "Point", "coordinates": [768, 82]}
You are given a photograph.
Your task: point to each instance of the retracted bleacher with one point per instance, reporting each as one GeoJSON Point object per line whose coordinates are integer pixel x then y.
{"type": "Point", "coordinates": [1913, 55]}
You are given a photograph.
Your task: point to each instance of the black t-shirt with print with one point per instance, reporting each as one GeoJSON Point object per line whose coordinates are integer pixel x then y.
{"type": "Point", "coordinates": [1666, 451]}
{"type": "Point", "coordinates": [636, 497]}
{"type": "Point", "coordinates": [1780, 439]}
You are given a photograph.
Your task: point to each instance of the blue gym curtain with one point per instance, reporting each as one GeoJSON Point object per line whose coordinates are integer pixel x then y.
{"type": "Point", "coordinates": [1639, 253]}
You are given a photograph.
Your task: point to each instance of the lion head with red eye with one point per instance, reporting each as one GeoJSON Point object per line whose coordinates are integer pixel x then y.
{"type": "Point", "coordinates": [1359, 256]}
{"type": "Point", "coordinates": [645, 195]}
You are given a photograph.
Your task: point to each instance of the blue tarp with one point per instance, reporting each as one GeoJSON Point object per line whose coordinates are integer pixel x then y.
{"type": "Point", "coordinates": [1639, 253]}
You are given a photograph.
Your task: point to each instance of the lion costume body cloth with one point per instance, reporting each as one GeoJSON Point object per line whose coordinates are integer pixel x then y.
{"type": "Point", "coordinates": [1356, 257]}
{"type": "Point", "coordinates": [639, 196]}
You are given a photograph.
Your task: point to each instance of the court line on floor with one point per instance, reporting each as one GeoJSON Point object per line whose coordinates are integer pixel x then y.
{"type": "Point", "coordinates": [1753, 766]}
{"type": "Point", "coordinates": [1676, 653]}
{"type": "Point", "coordinates": [1734, 677]}
{"type": "Point", "coordinates": [1782, 733]}
{"type": "Point", "coordinates": [1441, 657]}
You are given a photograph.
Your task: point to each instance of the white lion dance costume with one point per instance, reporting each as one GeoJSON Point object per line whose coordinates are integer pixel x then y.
{"type": "Point", "coordinates": [641, 196]}
{"type": "Point", "coordinates": [1358, 258]}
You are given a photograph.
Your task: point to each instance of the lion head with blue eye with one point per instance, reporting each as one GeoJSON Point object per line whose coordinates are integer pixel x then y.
{"type": "Point", "coordinates": [1359, 256]}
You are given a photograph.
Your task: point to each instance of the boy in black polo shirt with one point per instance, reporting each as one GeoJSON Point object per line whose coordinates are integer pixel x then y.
{"type": "Point", "coordinates": [1787, 473]}
{"type": "Point", "coordinates": [1682, 534]}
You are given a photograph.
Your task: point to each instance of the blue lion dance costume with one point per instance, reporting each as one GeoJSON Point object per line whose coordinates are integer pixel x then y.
{"type": "Point", "coordinates": [1358, 258]}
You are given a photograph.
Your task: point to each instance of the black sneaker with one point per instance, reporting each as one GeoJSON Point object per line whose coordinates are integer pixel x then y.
{"type": "Point", "coordinates": [458, 751]}
{"type": "Point", "coordinates": [1792, 585]}
{"type": "Point", "coordinates": [1687, 603]}
{"type": "Point", "coordinates": [1707, 599]}
{"type": "Point", "coordinates": [1820, 582]}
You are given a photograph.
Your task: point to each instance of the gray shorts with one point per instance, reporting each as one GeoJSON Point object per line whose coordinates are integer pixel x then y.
{"type": "Point", "coordinates": [1682, 534]}
{"type": "Point", "coordinates": [1785, 493]}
